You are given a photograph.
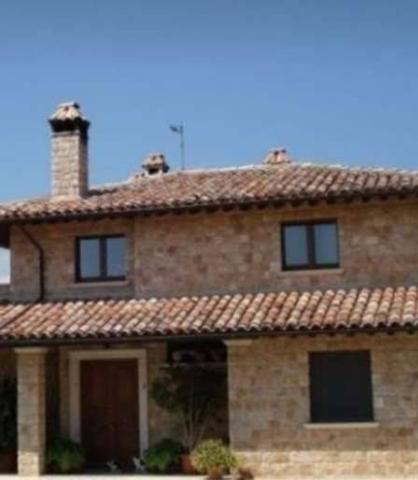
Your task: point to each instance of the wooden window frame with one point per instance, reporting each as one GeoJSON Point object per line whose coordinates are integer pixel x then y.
{"type": "Point", "coordinates": [310, 247]}
{"type": "Point", "coordinates": [103, 277]}
{"type": "Point", "coordinates": [316, 418]}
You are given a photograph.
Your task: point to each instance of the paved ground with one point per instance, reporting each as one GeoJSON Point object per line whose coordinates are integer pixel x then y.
{"type": "Point", "coordinates": [110, 476]}
{"type": "Point", "coordinates": [188, 477]}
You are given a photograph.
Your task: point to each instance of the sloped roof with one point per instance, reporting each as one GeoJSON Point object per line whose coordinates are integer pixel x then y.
{"type": "Point", "coordinates": [225, 188]}
{"type": "Point", "coordinates": [378, 309]}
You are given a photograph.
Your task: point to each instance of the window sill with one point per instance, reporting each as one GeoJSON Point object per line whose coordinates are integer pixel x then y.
{"type": "Point", "coordinates": [110, 283]}
{"type": "Point", "coordinates": [319, 271]}
{"type": "Point", "coordinates": [340, 425]}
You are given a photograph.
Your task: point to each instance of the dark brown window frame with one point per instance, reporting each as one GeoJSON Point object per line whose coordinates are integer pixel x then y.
{"type": "Point", "coordinates": [103, 277]}
{"type": "Point", "coordinates": [367, 415]}
{"type": "Point", "coordinates": [312, 264]}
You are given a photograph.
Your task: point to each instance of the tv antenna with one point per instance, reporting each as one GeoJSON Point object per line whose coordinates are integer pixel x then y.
{"type": "Point", "coordinates": [179, 129]}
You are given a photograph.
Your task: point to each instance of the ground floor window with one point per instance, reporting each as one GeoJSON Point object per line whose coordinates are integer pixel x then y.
{"type": "Point", "coordinates": [340, 387]}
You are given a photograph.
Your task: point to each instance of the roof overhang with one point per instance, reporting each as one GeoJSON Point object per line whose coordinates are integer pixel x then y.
{"type": "Point", "coordinates": [248, 315]}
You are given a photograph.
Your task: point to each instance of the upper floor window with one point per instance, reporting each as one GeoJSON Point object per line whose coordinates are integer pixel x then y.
{"type": "Point", "coordinates": [310, 245]}
{"type": "Point", "coordinates": [100, 258]}
{"type": "Point", "coordinates": [340, 387]}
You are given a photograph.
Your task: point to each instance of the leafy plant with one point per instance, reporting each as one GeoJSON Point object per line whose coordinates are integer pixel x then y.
{"type": "Point", "coordinates": [164, 456]}
{"type": "Point", "coordinates": [65, 456]}
{"type": "Point", "coordinates": [8, 409]}
{"type": "Point", "coordinates": [213, 458]}
{"type": "Point", "coordinates": [194, 393]}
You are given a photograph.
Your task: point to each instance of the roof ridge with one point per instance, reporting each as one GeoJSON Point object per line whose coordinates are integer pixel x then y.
{"type": "Point", "coordinates": [136, 177]}
{"type": "Point", "coordinates": [361, 168]}
{"type": "Point", "coordinates": [250, 185]}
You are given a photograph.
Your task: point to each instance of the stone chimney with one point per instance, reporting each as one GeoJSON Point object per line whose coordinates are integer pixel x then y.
{"type": "Point", "coordinates": [69, 151]}
{"type": "Point", "coordinates": [277, 156]}
{"type": "Point", "coordinates": [155, 164]}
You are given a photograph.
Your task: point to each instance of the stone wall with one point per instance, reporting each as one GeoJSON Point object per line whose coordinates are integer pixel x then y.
{"type": "Point", "coordinates": [269, 407]}
{"type": "Point", "coordinates": [58, 242]}
{"type": "Point", "coordinates": [240, 251]}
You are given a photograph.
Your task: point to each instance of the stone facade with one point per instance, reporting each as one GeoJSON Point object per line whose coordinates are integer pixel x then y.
{"type": "Point", "coordinates": [269, 410]}
{"type": "Point", "coordinates": [239, 251]}
{"type": "Point", "coordinates": [268, 380]}
{"type": "Point", "coordinates": [58, 242]}
{"type": "Point", "coordinates": [234, 252]}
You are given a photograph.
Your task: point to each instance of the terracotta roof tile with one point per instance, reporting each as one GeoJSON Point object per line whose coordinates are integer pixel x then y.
{"type": "Point", "coordinates": [285, 182]}
{"type": "Point", "coordinates": [269, 313]}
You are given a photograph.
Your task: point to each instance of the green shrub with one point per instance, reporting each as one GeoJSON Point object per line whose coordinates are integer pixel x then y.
{"type": "Point", "coordinates": [164, 456]}
{"type": "Point", "coordinates": [212, 456]}
{"type": "Point", "coordinates": [65, 456]}
{"type": "Point", "coordinates": [194, 394]}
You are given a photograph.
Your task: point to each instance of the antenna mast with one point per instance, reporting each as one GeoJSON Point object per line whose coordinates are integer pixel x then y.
{"type": "Point", "coordinates": [179, 129]}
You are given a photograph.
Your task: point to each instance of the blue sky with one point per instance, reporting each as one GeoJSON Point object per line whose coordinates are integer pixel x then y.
{"type": "Point", "coordinates": [333, 81]}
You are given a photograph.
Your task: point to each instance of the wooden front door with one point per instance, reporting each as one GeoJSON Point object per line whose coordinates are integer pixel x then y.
{"type": "Point", "coordinates": [109, 412]}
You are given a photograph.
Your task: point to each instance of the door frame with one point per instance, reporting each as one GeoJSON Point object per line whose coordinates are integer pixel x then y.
{"type": "Point", "coordinates": [75, 359]}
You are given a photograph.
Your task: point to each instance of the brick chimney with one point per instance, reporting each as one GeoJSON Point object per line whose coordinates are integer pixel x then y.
{"type": "Point", "coordinates": [155, 164]}
{"type": "Point", "coordinates": [69, 151]}
{"type": "Point", "coordinates": [277, 156]}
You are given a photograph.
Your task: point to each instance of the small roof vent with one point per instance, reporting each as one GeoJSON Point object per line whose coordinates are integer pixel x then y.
{"type": "Point", "coordinates": [277, 156]}
{"type": "Point", "coordinates": [155, 164]}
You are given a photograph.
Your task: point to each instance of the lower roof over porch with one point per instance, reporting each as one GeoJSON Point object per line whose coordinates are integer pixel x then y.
{"type": "Point", "coordinates": [387, 309]}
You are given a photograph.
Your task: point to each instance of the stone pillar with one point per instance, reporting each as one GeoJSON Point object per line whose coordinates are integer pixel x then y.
{"type": "Point", "coordinates": [236, 348]}
{"type": "Point", "coordinates": [31, 403]}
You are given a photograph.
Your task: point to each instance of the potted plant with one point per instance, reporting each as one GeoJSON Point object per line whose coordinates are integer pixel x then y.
{"type": "Point", "coordinates": [194, 393]}
{"type": "Point", "coordinates": [214, 459]}
{"type": "Point", "coordinates": [164, 456]}
{"type": "Point", "coordinates": [8, 428]}
{"type": "Point", "coordinates": [245, 473]}
{"type": "Point", "coordinates": [65, 456]}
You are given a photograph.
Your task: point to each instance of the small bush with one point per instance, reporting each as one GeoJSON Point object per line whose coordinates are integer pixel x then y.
{"type": "Point", "coordinates": [65, 456]}
{"type": "Point", "coordinates": [164, 456]}
{"type": "Point", "coordinates": [213, 458]}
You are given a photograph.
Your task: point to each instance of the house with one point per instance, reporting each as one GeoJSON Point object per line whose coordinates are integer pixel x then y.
{"type": "Point", "coordinates": [303, 276]}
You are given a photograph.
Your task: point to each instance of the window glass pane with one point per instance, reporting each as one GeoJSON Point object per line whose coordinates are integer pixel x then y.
{"type": "Point", "coordinates": [115, 261]}
{"type": "Point", "coordinates": [295, 245]}
{"type": "Point", "coordinates": [340, 385]}
{"type": "Point", "coordinates": [89, 258]}
{"type": "Point", "coordinates": [4, 265]}
{"type": "Point", "coordinates": [326, 247]}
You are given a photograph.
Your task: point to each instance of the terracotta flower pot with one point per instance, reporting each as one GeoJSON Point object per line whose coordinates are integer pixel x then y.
{"type": "Point", "coordinates": [215, 473]}
{"type": "Point", "coordinates": [186, 465]}
{"type": "Point", "coordinates": [8, 462]}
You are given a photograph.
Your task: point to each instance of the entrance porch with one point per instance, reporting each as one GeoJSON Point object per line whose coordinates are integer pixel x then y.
{"type": "Point", "coordinates": [100, 396]}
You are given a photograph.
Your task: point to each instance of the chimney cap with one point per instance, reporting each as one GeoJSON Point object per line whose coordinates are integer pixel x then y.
{"type": "Point", "coordinates": [277, 156]}
{"type": "Point", "coordinates": [155, 164]}
{"type": "Point", "coordinates": [68, 117]}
